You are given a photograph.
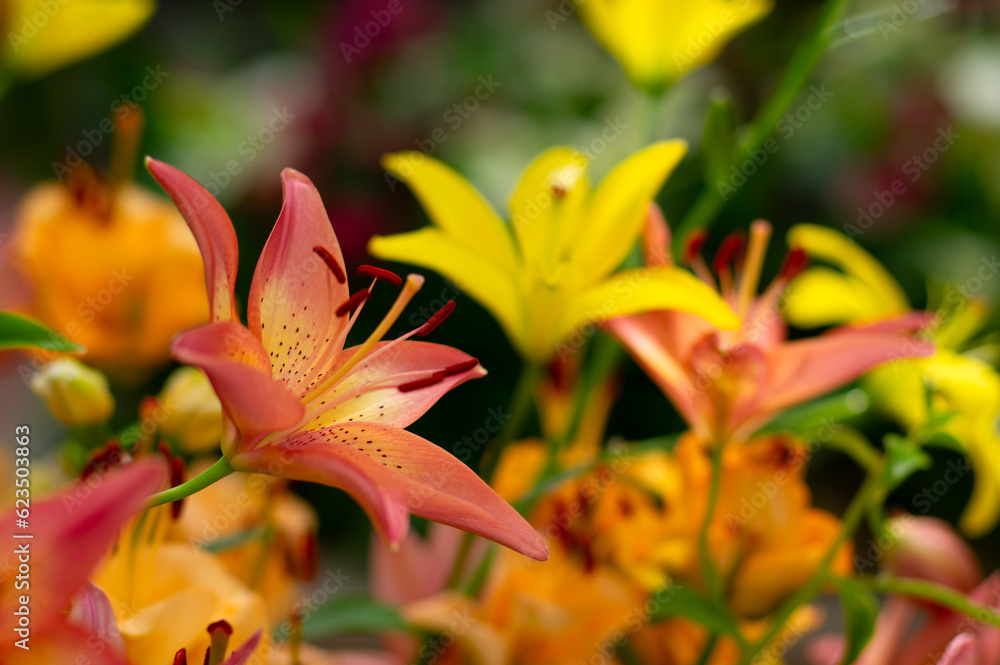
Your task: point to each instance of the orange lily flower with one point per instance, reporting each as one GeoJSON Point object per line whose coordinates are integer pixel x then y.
{"type": "Point", "coordinates": [301, 406]}
{"type": "Point", "coordinates": [726, 384]}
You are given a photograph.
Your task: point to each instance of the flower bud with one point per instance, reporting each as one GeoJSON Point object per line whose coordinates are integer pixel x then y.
{"type": "Point", "coordinates": [75, 394]}
{"type": "Point", "coordinates": [929, 549]}
{"type": "Point", "coordinates": [192, 412]}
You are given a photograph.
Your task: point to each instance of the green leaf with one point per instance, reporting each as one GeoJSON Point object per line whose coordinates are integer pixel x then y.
{"type": "Point", "coordinates": [22, 332]}
{"type": "Point", "coordinates": [358, 614]}
{"type": "Point", "coordinates": [814, 419]}
{"type": "Point", "coordinates": [675, 600]}
{"type": "Point", "coordinates": [903, 459]}
{"type": "Point", "coordinates": [860, 612]}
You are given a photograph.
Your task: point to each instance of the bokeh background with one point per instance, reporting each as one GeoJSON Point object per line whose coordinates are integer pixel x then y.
{"type": "Point", "coordinates": [893, 83]}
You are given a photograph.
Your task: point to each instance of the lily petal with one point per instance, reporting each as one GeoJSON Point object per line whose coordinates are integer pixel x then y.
{"type": "Point", "coordinates": [642, 290]}
{"type": "Point", "coordinates": [620, 205]}
{"type": "Point", "coordinates": [802, 370]}
{"type": "Point", "coordinates": [72, 531]}
{"type": "Point", "coordinates": [822, 296]}
{"type": "Point", "coordinates": [298, 285]}
{"type": "Point", "coordinates": [392, 473]}
{"type": "Point", "coordinates": [455, 207]}
{"type": "Point", "coordinates": [371, 390]}
{"type": "Point", "coordinates": [241, 655]}
{"type": "Point", "coordinates": [647, 338]}
{"type": "Point", "coordinates": [237, 366]}
{"type": "Point", "coordinates": [492, 287]}
{"type": "Point", "coordinates": [92, 613]}
{"type": "Point", "coordinates": [555, 179]}
{"type": "Point", "coordinates": [213, 231]}
{"type": "Point", "coordinates": [839, 250]}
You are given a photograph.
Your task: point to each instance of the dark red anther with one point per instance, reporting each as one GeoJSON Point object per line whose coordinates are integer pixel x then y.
{"type": "Point", "coordinates": [331, 263]}
{"type": "Point", "coordinates": [436, 319]}
{"type": "Point", "coordinates": [181, 657]}
{"type": "Point", "coordinates": [380, 273]}
{"type": "Point", "coordinates": [104, 459]}
{"type": "Point", "coordinates": [693, 244]}
{"type": "Point", "coordinates": [732, 247]}
{"type": "Point", "coordinates": [222, 625]}
{"type": "Point", "coordinates": [459, 368]}
{"type": "Point", "coordinates": [796, 261]}
{"type": "Point", "coordinates": [436, 377]}
{"type": "Point", "coordinates": [310, 557]}
{"type": "Point", "coordinates": [352, 303]}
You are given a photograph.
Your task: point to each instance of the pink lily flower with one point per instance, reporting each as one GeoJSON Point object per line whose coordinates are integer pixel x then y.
{"type": "Point", "coordinates": [301, 406]}
{"type": "Point", "coordinates": [726, 384]}
{"type": "Point", "coordinates": [71, 531]}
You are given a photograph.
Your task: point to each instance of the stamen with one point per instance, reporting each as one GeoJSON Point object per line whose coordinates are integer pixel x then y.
{"type": "Point", "coordinates": [176, 468]}
{"type": "Point", "coordinates": [352, 303]}
{"type": "Point", "coordinates": [436, 319]}
{"type": "Point", "coordinates": [433, 379]}
{"type": "Point", "coordinates": [760, 234]}
{"type": "Point", "coordinates": [104, 459]}
{"type": "Point", "coordinates": [220, 631]}
{"type": "Point", "coordinates": [693, 244]}
{"type": "Point", "coordinates": [459, 368]}
{"type": "Point", "coordinates": [731, 247]}
{"type": "Point", "coordinates": [380, 273]}
{"type": "Point", "coordinates": [331, 263]}
{"type": "Point", "coordinates": [410, 287]}
{"type": "Point", "coordinates": [796, 261]}
{"type": "Point", "coordinates": [181, 657]}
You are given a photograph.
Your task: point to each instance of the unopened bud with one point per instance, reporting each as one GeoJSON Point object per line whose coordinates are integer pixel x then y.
{"type": "Point", "coordinates": [75, 394]}
{"type": "Point", "coordinates": [191, 411]}
{"type": "Point", "coordinates": [929, 549]}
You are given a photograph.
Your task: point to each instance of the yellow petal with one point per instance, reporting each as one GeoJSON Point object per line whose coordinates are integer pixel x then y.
{"type": "Point", "coordinates": [553, 181]}
{"type": "Point", "coordinates": [455, 207]}
{"type": "Point", "coordinates": [821, 296]}
{"type": "Point", "coordinates": [898, 389]}
{"type": "Point", "coordinates": [963, 323]}
{"type": "Point", "coordinates": [643, 290]}
{"type": "Point", "coordinates": [657, 42]}
{"type": "Point", "coordinates": [983, 510]}
{"type": "Point", "coordinates": [618, 210]}
{"type": "Point", "coordinates": [489, 285]}
{"type": "Point", "coordinates": [43, 36]}
{"type": "Point", "coordinates": [839, 250]}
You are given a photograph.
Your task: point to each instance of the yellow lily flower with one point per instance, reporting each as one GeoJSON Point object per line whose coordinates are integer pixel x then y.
{"type": "Point", "coordinates": [659, 41]}
{"type": "Point", "coordinates": [963, 388]}
{"type": "Point", "coordinates": [551, 273]}
{"type": "Point", "coordinates": [46, 34]}
{"type": "Point", "coordinates": [166, 595]}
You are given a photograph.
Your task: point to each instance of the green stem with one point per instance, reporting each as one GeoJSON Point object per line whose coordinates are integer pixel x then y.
{"type": "Point", "coordinates": [704, 551]}
{"type": "Point", "coordinates": [935, 593]}
{"type": "Point", "coordinates": [709, 202]}
{"type": "Point", "coordinates": [521, 404]}
{"type": "Point", "coordinates": [209, 476]}
{"type": "Point", "coordinates": [455, 576]}
{"type": "Point", "coordinates": [852, 519]}
{"type": "Point", "coordinates": [650, 112]}
{"type": "Point", "coordinates": [706, 654]}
